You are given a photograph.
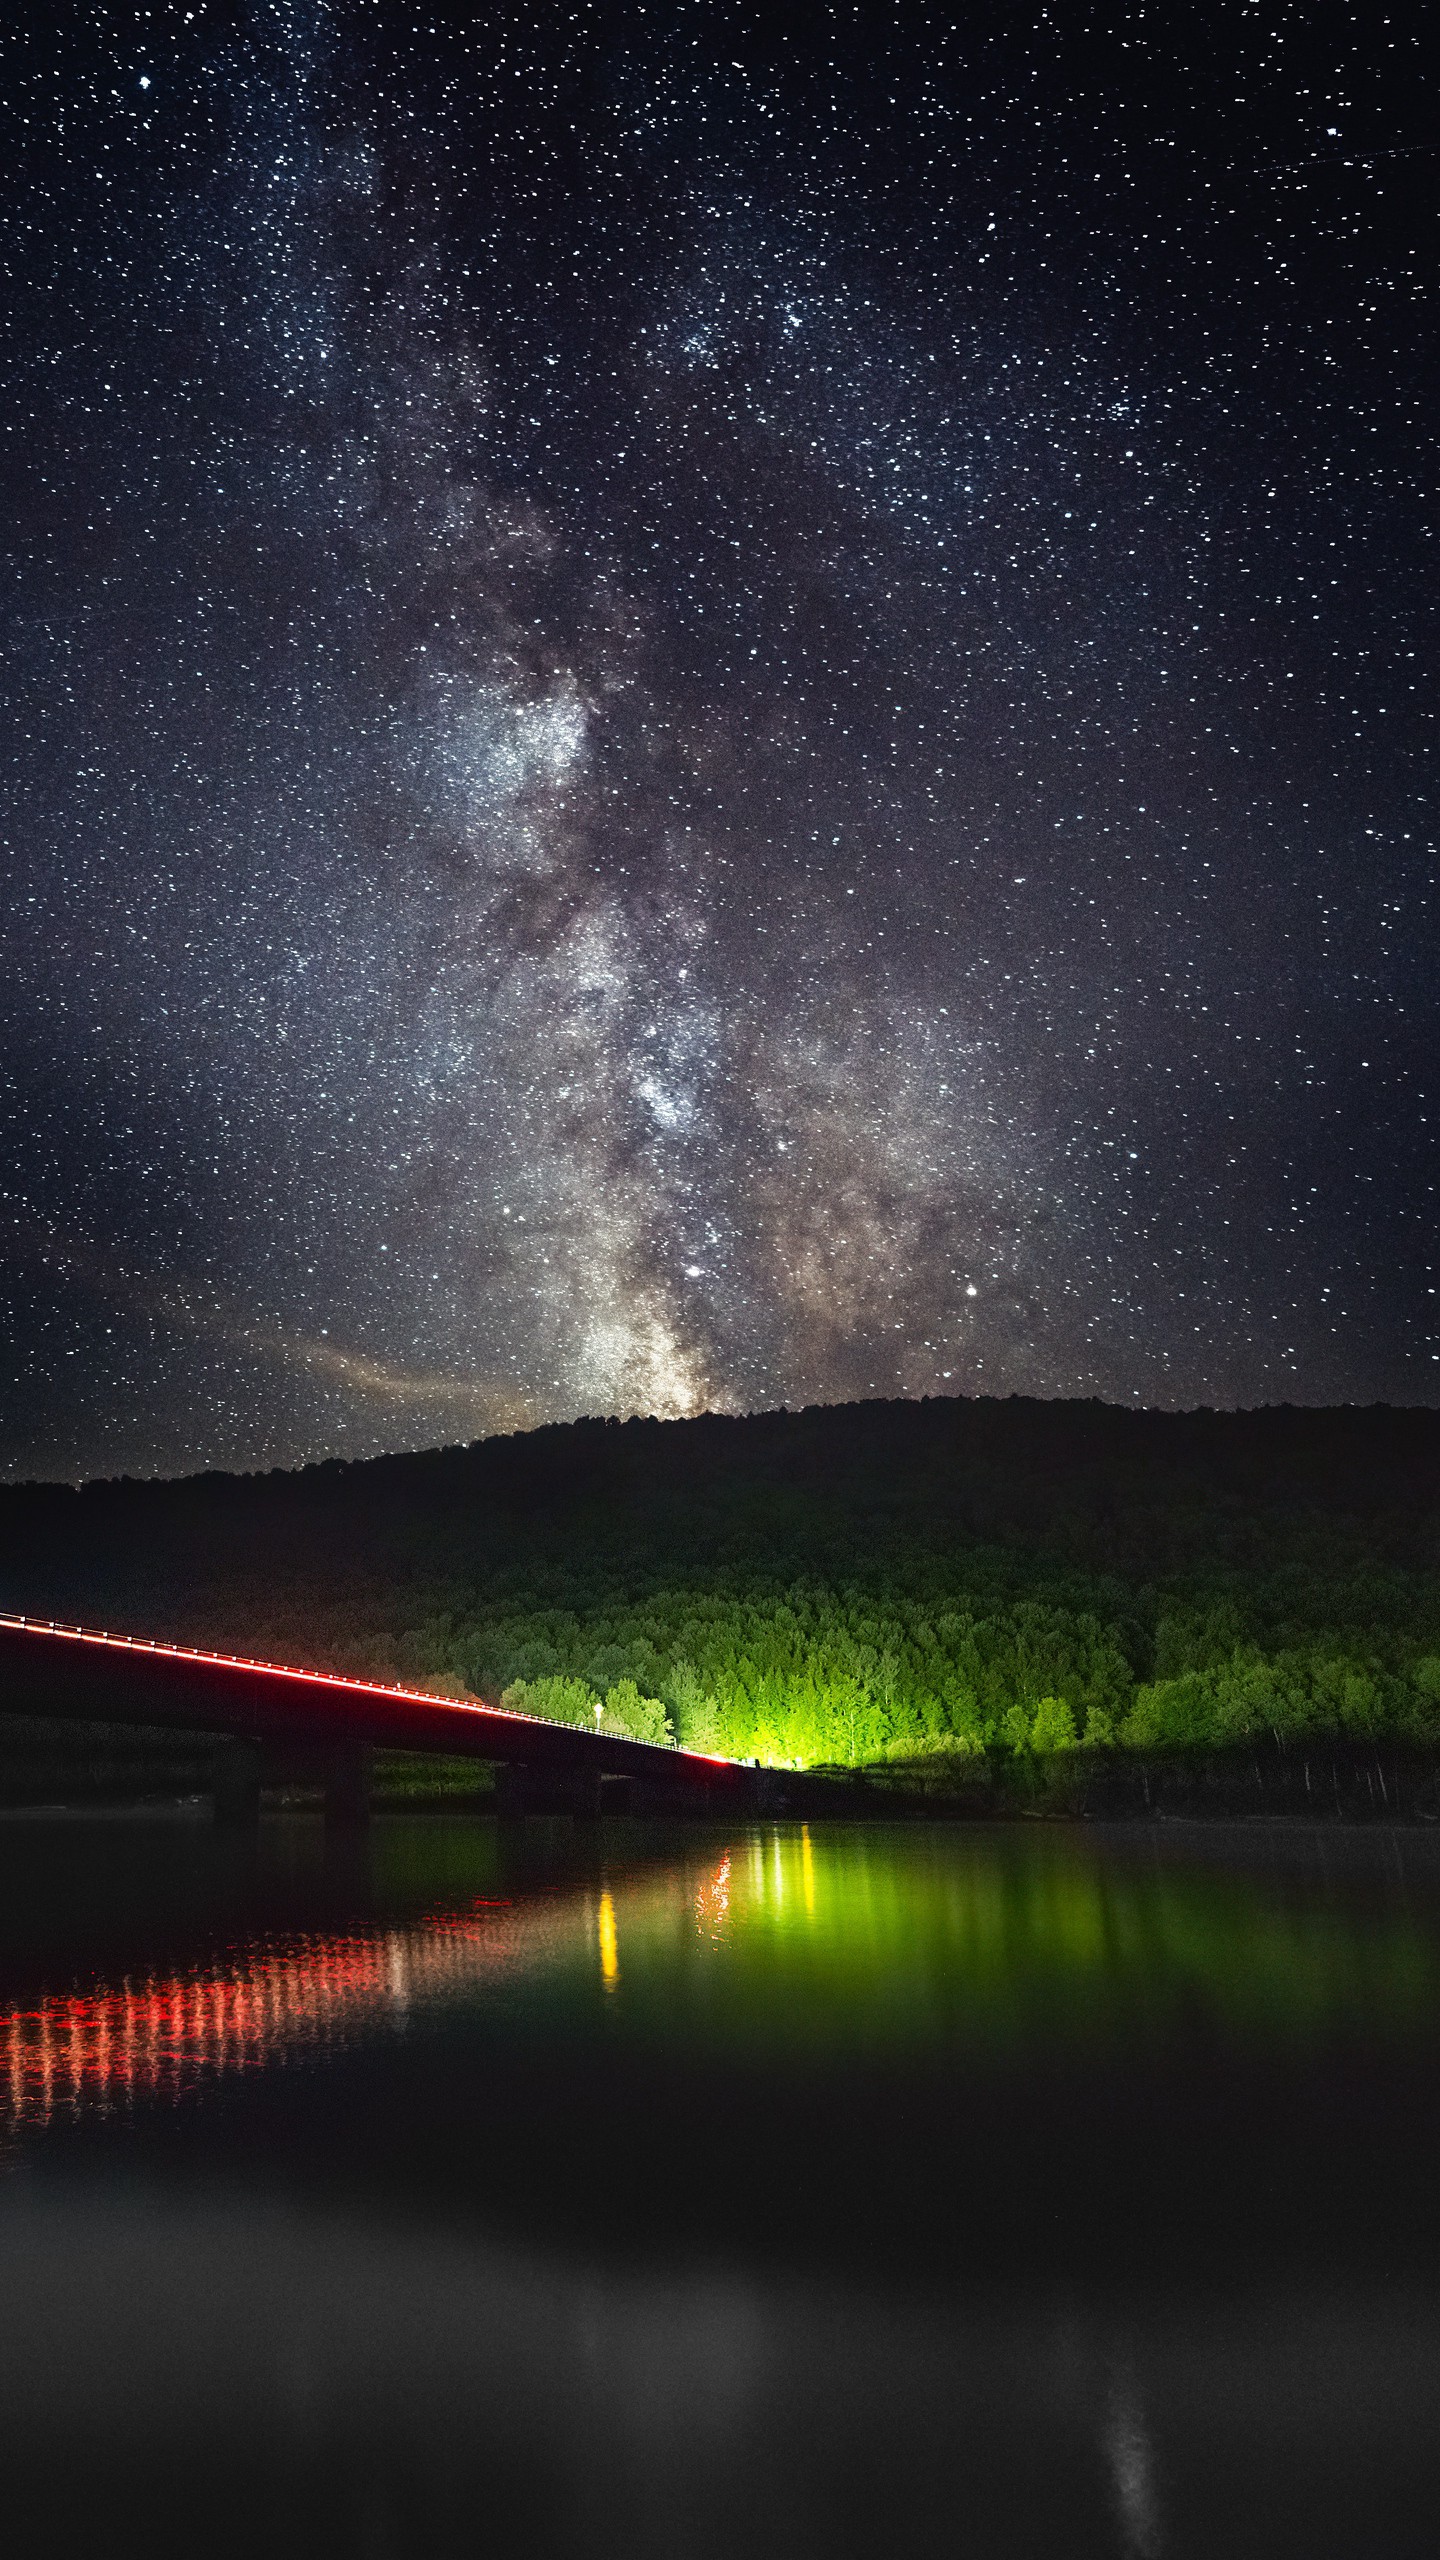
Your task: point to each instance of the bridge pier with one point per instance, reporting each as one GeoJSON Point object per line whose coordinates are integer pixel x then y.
{"type": "Point", "coordinates": [582, 1793]}
{"type": "Point", "coordinates": [347, 1785]}
{"type": "Point", "coordinates": [235, 1779]}
{"type": "Point", "coordinates": [768, 1791]}
{"type": "Point", "coordinates": [586, 1791]}
{"type": "Point", "coordinates": [512, 1792]}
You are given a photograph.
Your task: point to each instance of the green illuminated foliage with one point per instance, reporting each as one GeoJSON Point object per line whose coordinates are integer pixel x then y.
{"type": "Point", "coordinates": [640, 1719]}
{"type": "Point", "coordinates": [1015, 1726]}
{"type": "Point", "coordinates": [561, 1701]}
{"type": "Point", "coordinates": [1054, 1727]}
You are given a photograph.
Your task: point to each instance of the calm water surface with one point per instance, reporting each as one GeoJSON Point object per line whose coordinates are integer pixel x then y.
{"type": "Point", "coordinates": [785, 2192]}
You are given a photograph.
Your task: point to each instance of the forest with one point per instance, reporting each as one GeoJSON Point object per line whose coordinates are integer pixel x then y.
{"type": "Point", "coordinates": [952, 1582]}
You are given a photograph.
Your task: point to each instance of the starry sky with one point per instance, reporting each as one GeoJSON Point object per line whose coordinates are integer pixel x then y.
{"type": "Point", "coordinates": [710, 710]}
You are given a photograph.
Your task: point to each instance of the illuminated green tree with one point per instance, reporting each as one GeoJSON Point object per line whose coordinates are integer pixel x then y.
{"type": "Point", "coordinates": [560, 1701]}
{"type": "Point", "coordinates": [638, 1719]}
{"type": "Point", "coordinates": [697, 1716]}
{"type": "Point", "coordinates": [1053, 1728]}
{"type": "Point", "coordinates": [1015, 1727]}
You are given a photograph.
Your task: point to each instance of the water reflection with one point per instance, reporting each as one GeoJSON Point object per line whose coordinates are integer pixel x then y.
{"type": "Point", "coordinates": [1054, 1938]}
{"type": "Point", "coordinates": [68, 2054]}
{"type": "Point", "coordinates": [843, 1942]}
{"type": "Point", "coordinates": [882, 1939]}
{"type": "Point", "coordinates": [605, 1933]}
{"type": "Point", "coordinates": [712, 1902]}
{"type": "Point", "coordinates": [214, 2370]}
{"type": "Point", "coordinates": [1131, 2455]}
{"type": "Point", "coordinates": [683, 2197]}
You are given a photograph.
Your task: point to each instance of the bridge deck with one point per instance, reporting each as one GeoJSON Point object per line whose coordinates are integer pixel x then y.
{"type": "Point", "coordinates": [50, 1669]}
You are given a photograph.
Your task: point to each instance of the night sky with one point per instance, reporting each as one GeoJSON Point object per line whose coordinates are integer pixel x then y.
{"type": "Point", "coordinates": [708, 711]}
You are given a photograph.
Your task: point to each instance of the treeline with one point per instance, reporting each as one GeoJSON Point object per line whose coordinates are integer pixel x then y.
{"type": "Point", "coordinates": [812, 1675]}
{"type": "Point", "coordinates": [853, 1586]}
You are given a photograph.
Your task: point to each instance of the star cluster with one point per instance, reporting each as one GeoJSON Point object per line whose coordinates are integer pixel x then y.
{"type": "Point", "coordinates": [708, 710]}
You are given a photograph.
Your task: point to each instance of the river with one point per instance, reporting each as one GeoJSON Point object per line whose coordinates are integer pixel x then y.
{"type": "Point", "coordinates": [790, 2191]}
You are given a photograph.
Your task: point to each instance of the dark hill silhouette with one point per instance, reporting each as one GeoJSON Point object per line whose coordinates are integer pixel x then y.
{"type": "Point", "coordinates": [1089, 1478]}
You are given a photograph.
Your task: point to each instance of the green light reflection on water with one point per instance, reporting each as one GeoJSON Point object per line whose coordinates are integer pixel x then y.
{"type": "Point", "coordinates": [855, 1939]}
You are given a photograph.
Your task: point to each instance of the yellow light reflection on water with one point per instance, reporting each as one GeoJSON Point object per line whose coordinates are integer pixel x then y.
{"type": "Point", "coordinates": [609, 1951]}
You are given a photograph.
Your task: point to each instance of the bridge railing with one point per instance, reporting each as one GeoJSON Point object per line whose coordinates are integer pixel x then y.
{"type": "Point", "coordinates": [22, 1623]}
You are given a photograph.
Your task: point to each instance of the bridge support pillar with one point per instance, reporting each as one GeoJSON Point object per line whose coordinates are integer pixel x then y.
{"type": "Point", "coordinates": [586, 1790]}
{"type": "Point", "coordinates": [582, 1793]}
{"type": "Point", "coordinates": [512, 1792]}
{"type": "Point", "coordinates": [236, 1782]}
{"type": "Point", "coordinates": [347, 1785]}
{"type": "Point", "coordinates": [768, 1792]}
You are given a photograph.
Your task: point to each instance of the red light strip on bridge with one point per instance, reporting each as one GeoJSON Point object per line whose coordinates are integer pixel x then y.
{"type": "Point", "coordinates": [20, 1624]}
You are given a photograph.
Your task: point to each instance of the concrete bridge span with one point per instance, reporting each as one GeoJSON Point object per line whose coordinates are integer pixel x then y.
{"type": "Point", "coordinates": [93, 1674]}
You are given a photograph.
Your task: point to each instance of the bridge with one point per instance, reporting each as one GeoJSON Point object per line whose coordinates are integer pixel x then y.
{"type": "Point", "coordinates": [264, 1714]}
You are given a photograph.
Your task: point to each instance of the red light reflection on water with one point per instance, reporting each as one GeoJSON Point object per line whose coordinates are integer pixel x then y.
{"type": "Point", "coordinates": [712, 1901]}
{"type": "Point", "coordinates": [158, 2037]}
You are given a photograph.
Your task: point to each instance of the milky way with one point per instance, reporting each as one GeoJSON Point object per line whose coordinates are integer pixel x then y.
{"type": "Point", "coordinates": [703, 714]}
